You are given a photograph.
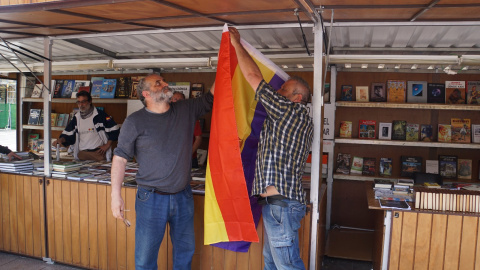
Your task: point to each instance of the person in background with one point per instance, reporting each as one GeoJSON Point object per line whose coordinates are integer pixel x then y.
{"type": "Point", "coordinates": [197, 132]}
{"type": "Point", "coordinates": [159, 136]}
{"type": "Point", "coordinates": [11, 155]}
{"type": "Point", "coordinates": [91, 131]}
{"type": "Point", "coordinates": [285, 141]}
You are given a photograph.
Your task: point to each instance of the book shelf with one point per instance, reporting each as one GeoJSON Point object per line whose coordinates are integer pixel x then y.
{"type": "Point", "coordinates": [408, 143]}
{"type": "Point", "coordinates": [73, 100]}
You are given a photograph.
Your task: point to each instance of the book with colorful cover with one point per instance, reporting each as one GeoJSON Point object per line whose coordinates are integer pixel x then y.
{"type": "Point", "coordinates": [53, 119]}
{"type": "Point", "coordinates": [108, 88]}
{"type": "Point", "coordinates": [378, 92]}
{"type": "Point", "coordinates": [461, 130]}
{"type": "Point", "coordinates": [57, 90]}
{"type": "Point", "coordinates": [396, 91]}
{"type": "Point", "coordinates": [37, 91]}
{"type": "Point", "coordinates": [444, 133]}
{"type": "Point", "coordinates": [78, 85]}
{"type": "Point", "coordinates": [412, 132]}
{"type": "Point", "coordinates": [464, 169]}
{"type": "Point", "coordinates": [417, 92]}
{"type": "Point", "coordinates": [455, 92]}
{"type": "Point", "coordinates": [123, 87]}
{"type": "Point", "coordinates": [345, 129]}
{"type": "Point", "coordinates": [346, 93]}
{"type": "Point", "coordinates": [447, 166]}
{"type": "Point", "coordinates": [386, 166]}
{"type": "Point", "coordinates": [361, 93]}
{"type": "Point", "coordinates": [367, 129]}
{"type": "Point", "coordinates": [357, 165]}
{"type": "Point", "coordinates": [197, 91]}
{"type": "Point", "coordinates": [60, 120]}
{"type": "Point", "coordinates": [436, 93]}
{"type": "Point", "coordinates": [97, 83]}
{"type": "Point", "coordinates": [411, 165]}
{"type": "Point", "coordinates": [473, 92]}
{"type": "Point", "coordinates": [369, 165]}
{"type": "Point", "coordinates": [475, 133]}
{"type": "Point", "coordinates": [426, 133]}
{"type": "Point", "coordinates": [68, 86]}
{"type": "Point", "coordinates": [385, 131]}
{"type": "Point", "coordinates": [343, 163]}
{"type": "Point", "coordinates": [34, 117]}
{"type": "Point", "coordinates": [399, 130]}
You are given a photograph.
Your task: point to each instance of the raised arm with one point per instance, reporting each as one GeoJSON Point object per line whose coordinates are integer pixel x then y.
{"type": "Point", "coordinates": [248, 67]}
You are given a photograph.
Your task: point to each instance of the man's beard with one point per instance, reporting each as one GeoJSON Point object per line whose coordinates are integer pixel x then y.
{"type": "Point", "coordinates": [162, 96]}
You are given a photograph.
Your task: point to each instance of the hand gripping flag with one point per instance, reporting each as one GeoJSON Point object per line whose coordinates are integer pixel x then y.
{"type": "Point", "coordinates": [231, 215]}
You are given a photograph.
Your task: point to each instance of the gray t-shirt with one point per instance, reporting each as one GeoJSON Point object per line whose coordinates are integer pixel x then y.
{"type": "Point", "coordinates": [162, 143]}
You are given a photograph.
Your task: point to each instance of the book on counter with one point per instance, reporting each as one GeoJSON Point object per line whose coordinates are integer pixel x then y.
{"type": "Point", "coordinates": [431, 185]}
{"type": "Point", "coordinates": [369, 165]}
{"type": "Point", "coordinates": [455, 92]}
{"type": "Point", "coordinates": [412, 132]}
{"type": "Point", "coordinates": [444, 133]}
{"type": "Point", "coordinates": [464, 169]}
{"type": "Point", "coordinates": [405, 182]}
{"type": "Point", "coordinates": [410, 165]}
{"type": "Point", "coordinates": [345, 129]}
{"type": "Point", "coordinates": [447, 166]}
{"type": "Point", "coordinates": [403, 205]}
{"type": "Point", "coordinates": [361, 94]}
{"type": "Point", "coordinates": [346, 93]}
{"type": "Point", "coordinates": [383, 183]}
{"type": "Point", "coordinates": [386, 166]}
{"type": "Point", "coordinates": [417, 92]}
{"type": "Point", "coordinates": [343, 163]}
{"type": "Point", "coordinates": [78, 176]}
{"type": "Point", "coordinates": [399, 130]}
{"type": "Point", "coordinates": [378, 92]}
{"type": "Point", "coordinates": [34, 117]}
{"type": "Point", "coordinates": [367, 129]}
{"type": "Point", "coordinates": [436, 93]}
{"type": "Point", "coordinates": [357, 165]}
{"type": "Point", "coordinates": [385, 131]}
{"type": "Point", "coordinates": [473, 92]}
{"type": "Point", "coordinates": [461, 130]}
{"type": "Point", "coordinates": [426, 133]}
{"type": "Point", "coordinates": [475, 133]}
{"type": "Point", "coordinates": [396, 91]}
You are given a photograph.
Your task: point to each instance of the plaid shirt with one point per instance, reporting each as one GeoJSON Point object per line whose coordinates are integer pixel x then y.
{"type": "Point", "coordinates": [285, 142]}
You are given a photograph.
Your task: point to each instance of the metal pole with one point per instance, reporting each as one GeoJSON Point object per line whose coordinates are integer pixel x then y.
{"type": "Point", "coordinates": [317, 103]}
{"type": "Point", "coordinates": [47, 99]}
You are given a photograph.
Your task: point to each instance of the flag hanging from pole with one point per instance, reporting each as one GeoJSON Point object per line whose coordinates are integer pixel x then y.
{"type": "Point", "coordinates": [231, 215]}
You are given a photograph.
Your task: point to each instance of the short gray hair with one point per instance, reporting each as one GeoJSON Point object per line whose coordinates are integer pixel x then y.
{"type": "Point", "coordinates": [143, 85]}
{"type": "Point", "coordinates": [305, 94]}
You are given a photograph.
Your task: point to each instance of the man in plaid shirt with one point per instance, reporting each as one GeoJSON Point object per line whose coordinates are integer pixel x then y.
{"type": "Point", "coordinates": [285, 142]}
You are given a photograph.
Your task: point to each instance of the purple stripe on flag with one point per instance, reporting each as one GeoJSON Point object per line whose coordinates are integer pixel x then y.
{"type": "Point", "coordinates": [276, 82]}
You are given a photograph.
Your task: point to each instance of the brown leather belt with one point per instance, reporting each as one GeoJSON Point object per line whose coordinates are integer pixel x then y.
{"type": "Point", "coordinates": [275, 200]}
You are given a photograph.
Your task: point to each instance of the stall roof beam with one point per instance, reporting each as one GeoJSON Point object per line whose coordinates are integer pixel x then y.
{"type": "Point", "coordinates": [95, 48]}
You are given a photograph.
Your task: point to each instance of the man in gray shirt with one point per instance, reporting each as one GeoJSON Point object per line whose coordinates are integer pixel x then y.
{"type": "Point", "coordinates": [159, 136]}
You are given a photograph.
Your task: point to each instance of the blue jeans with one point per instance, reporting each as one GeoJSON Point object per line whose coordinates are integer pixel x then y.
{"type": "Point", "coordinates": [153, 212]}
{"type": "Point", "coordinates": [281, 224]}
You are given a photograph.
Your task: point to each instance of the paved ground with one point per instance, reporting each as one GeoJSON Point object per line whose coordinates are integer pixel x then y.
{"type": "Point", "coordinates": [8, 138]}
{"type": "Point", "coordinates": [13, 262]}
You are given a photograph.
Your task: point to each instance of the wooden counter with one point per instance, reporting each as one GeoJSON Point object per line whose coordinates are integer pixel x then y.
{"type": "Point", "coordinates": [81, 230]}
{"type": "Point", "coordinates": [424, 239]}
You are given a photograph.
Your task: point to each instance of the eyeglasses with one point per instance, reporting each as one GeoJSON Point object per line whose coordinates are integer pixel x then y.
{"type": "Point", "coordinates": [82, 102]}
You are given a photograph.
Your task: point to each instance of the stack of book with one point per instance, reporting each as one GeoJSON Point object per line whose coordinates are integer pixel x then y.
{"type": "Point", "coordinates": [393, 189]}
{"type": "Point", "coordinates": [66, 166]}
{"type": "Point", "coordinates": [18, 166]}
{"type": "Point", "coordinates": [447, 199]}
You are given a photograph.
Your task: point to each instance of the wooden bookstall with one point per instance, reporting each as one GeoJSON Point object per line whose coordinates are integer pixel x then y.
{"type": "Point", "coordinates": [348, 196]}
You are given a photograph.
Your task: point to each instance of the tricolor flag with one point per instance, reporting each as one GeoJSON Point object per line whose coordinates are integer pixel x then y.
{"type": "Point", "coordinates": [231, 215]}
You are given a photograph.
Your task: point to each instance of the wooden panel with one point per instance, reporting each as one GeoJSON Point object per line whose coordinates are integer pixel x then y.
{"type": "Point", "coordinates": [67, 222]}
{"type": "Point", "coordinates": [111, 235]}
{"type": "Point", "coordinates": [469, 239]}
{"type": "Point", "coordinates": [84, 232]}
{"type": "Point", "coordinates": [396, 239]}
{"type": "Point", "coordinates": [256, 249]}
{"type": "Point", "coordinates": [422, 243]}
{"type": "Point", "coordinates": [75, 222]}
{"type": "Point", "coordinates": [452, 245]}
{"type": "Point", "coordinates": [12, 192]}
{"type": "Point", "coordinates": [20, 214]}
{"type": "Point", "coordinates": [92, 225]}
{"type": "Point", "coordinates": [130, 195]}
{"type": "Point", "coordinates": [27, 197]}
{"type": "Point", "coordinates": [38, 226]}
{"type": "Point", "coordinates": [43, 229]}
{"type": "Point", "coordinates": [477, 261]}
{"type": "Point", "coordinates": [5, 241]}
{"type": "Point", "coordinates": [50, 219]}
{"type": "Point", "coordinates": [102, 225]}
{"type": "Point", "coordinates": [437, 244]}
{"type": "Point", "coordinates": [58, 218]}
{"type": "Point", "coordinates": [163, 258]}
{"type": "Point", "coordinates": [407, 248]}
